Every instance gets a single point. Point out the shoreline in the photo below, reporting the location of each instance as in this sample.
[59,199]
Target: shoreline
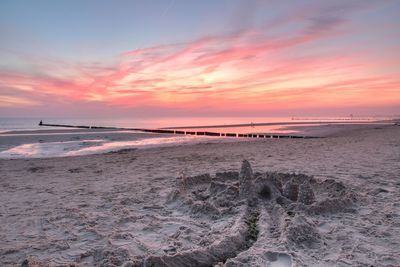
[57,142]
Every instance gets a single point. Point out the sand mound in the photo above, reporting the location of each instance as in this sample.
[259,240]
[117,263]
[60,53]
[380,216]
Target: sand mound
[262,209]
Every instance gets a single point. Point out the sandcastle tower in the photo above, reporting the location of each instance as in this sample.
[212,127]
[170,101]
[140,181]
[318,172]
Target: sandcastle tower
[245,180]
[306,194]
[291,190]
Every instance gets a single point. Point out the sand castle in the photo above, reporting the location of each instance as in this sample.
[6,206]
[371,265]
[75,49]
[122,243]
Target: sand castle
[260,219]
[272,217]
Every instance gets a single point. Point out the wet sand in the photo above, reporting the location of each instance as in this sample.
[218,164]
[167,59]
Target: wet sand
[150,206]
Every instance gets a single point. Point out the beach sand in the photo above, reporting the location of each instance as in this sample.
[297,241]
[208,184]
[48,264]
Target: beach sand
[145,207]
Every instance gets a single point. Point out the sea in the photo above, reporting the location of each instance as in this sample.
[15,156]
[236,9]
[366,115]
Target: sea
[25,138]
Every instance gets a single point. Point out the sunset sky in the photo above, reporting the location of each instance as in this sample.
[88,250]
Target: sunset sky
[199,58]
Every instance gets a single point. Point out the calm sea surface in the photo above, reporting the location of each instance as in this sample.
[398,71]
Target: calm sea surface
[10,124]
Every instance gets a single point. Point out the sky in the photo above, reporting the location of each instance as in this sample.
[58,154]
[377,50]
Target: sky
[157,58]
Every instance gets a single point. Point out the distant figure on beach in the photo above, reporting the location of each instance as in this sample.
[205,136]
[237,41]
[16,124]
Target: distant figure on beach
[40,123]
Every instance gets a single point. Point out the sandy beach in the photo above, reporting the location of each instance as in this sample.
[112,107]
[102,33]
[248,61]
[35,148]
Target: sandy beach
[197,205]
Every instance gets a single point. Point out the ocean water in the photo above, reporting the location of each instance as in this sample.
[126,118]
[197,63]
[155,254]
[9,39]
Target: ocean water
[24,138]
[12,124]
[21,124]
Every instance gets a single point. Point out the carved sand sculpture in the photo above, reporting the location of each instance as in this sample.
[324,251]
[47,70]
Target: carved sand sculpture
[272,216]
[241,218]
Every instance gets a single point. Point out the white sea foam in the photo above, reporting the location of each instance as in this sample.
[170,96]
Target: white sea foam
[49,149]
[87,147]
[142,143]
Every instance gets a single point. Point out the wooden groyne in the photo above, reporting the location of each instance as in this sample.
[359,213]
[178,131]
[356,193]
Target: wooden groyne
[179,131]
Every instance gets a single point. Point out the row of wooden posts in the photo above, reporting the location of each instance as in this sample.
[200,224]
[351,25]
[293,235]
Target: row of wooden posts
[183,132]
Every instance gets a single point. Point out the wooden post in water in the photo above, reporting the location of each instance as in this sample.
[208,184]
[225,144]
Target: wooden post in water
[173,131]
